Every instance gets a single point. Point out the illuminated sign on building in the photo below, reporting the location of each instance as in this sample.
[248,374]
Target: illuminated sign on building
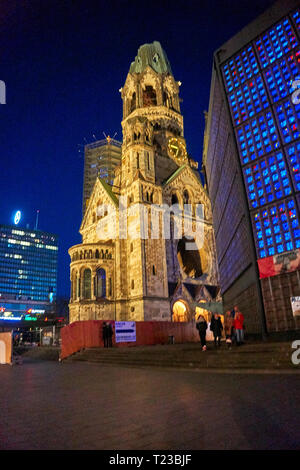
[17,217]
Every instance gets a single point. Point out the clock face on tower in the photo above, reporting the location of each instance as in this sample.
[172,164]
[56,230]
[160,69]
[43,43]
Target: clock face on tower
[177,150]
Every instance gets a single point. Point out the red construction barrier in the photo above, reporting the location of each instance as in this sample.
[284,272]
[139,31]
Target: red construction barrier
[88,334]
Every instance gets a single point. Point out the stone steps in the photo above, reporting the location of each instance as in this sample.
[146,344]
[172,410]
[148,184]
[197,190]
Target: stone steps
[264,356]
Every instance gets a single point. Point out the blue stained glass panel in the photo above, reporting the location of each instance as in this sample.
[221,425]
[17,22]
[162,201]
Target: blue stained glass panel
[271,180]
[288,116]
[296,19]
[240,68]
[276,42]
[277,233]
[280,76]
[257,137]
[293,156]
[248,100]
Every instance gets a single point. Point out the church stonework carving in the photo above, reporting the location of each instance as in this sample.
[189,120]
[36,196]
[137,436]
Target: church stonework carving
[139,278]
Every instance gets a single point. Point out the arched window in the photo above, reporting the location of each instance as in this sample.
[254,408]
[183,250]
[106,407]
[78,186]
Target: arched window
[100,286]
[74,286]
[133,102]
[186,197]
[167,99]
[174,199]
[97,254]
[87,279]
[148,160]
[149,96]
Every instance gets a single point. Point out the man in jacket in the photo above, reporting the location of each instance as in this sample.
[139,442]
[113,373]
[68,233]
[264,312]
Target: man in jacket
[216,327]
[109,335]
[238,325]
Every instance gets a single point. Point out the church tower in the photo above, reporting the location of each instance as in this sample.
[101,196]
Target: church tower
[145,274]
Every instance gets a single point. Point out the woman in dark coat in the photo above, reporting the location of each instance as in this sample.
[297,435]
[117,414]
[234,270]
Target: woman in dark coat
[104,334]
[216,327]
[109,335]
[201,326]
[228,326]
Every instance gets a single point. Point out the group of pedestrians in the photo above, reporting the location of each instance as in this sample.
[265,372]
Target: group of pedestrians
[233,328]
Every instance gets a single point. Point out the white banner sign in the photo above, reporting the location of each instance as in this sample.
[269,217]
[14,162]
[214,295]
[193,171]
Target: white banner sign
[295,302]
[125,331]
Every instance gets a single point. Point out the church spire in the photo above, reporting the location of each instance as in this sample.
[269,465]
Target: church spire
[151,55]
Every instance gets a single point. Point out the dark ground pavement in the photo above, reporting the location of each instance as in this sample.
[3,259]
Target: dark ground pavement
[48,405]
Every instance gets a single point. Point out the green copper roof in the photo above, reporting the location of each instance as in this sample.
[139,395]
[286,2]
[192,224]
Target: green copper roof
[109,191]
[153,55]
[176,173]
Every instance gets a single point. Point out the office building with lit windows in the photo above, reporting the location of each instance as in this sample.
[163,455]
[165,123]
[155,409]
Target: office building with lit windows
[251,161]
[28,271]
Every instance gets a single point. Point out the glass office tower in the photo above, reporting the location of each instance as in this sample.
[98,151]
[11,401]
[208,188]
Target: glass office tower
[252,165]
[100,160]
[28,270]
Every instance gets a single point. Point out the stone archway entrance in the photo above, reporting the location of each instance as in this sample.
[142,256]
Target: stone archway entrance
[180,311]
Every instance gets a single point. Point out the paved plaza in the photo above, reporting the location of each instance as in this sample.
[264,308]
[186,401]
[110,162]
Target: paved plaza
[48,405]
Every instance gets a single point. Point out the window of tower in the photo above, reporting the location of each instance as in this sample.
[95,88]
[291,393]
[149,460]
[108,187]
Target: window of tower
[133,102]
[186,198]
[149,96]
[167,100]
[87,277]
[174,199]
[100,281]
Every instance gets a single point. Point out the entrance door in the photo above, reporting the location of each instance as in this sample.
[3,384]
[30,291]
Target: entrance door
[180,312]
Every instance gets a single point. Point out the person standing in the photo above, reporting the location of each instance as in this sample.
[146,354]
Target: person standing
[228,327]
[201,326]
[216,327]
[238,326]
[104,334]
[109,335]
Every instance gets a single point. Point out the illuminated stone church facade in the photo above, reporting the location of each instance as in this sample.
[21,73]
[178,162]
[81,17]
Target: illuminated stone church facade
[145,278]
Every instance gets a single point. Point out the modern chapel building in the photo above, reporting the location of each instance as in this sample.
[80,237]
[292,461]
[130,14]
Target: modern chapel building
[252,166]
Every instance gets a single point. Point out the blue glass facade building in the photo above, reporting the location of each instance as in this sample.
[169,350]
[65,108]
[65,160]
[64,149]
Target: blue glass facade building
[28,269]
[252,165]
[259,86]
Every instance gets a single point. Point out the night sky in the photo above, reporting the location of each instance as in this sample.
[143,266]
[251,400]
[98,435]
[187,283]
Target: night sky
[63,63]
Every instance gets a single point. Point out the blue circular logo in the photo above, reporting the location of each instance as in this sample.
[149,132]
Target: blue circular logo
[17,217]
